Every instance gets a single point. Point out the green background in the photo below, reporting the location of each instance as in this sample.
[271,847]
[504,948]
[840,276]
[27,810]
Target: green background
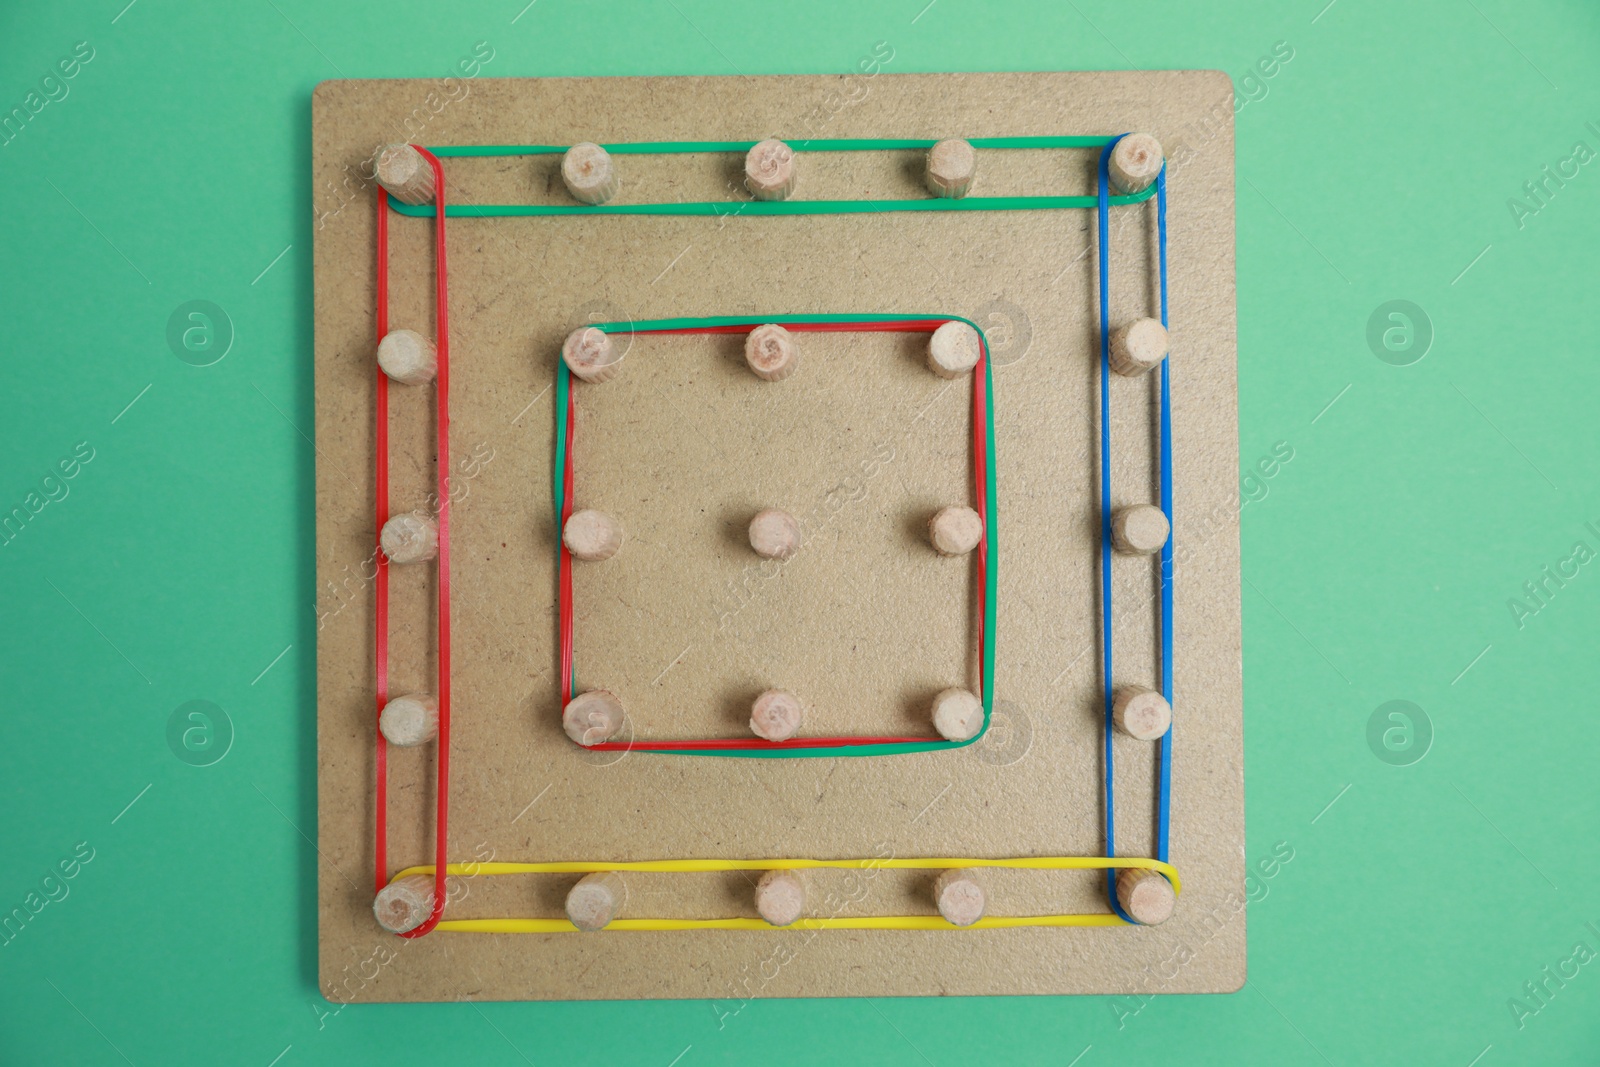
[1375,165]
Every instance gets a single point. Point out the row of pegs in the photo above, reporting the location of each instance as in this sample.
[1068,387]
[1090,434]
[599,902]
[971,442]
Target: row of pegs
[770,168]
[596,900]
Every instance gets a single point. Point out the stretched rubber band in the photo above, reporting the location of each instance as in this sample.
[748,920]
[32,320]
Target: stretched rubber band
[847,746]
[837,922]
[1163,796]
[381,579]
[381,511]
[983,489]
[772,207]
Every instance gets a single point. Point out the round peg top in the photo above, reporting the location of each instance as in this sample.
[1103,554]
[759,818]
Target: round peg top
[408,357]
[589,353]
[1135,162]
[771,352]
[769,170]
[1145,895]
[410,720]
[593,717]
[954,349]
[1138,346]
[952,164]
[592,535]
[412,537]
[955,531]
[957,715]
[1139,530]
[402,171]
[589,174]
[776,716]
[1141,713]
[774,534]
[404,904]
[780,897]
[960,897]
[595,900]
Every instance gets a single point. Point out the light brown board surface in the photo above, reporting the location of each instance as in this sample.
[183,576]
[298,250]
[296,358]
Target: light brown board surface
[861,444]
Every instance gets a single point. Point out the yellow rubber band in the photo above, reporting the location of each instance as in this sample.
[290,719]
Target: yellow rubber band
[866,922]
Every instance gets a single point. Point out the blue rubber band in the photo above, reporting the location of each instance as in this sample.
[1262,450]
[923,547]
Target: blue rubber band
[1164,797]
[1103,257]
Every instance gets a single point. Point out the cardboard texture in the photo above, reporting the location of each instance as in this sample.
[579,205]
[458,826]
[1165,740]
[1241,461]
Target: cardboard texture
[862,444]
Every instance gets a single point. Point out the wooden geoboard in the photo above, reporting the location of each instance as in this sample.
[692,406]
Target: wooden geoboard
[867,623]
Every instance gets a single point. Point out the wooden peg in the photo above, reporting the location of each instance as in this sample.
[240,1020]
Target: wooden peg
[404,173]
[408,357]
[769,170]
[1141,713]
[960,896]
[1138,346]
[592,535]
[776,715]
[952,164]
[404,904]
[775,534]
[780,897]
[1139,530]
[410,720]
[771,352]
[589,174]
[412,537]
[595,900]
[1145,895]
[953,350]
[955,531]
[590,355]
[957,715]
[593,717]
[1134,163]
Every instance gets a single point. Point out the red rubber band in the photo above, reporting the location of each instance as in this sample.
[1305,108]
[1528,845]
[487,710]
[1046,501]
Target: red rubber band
[980,488]
[442,399]
[381,580]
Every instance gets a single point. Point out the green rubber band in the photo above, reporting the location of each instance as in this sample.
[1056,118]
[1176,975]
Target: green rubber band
[669,148]
[991,523]
[757,208]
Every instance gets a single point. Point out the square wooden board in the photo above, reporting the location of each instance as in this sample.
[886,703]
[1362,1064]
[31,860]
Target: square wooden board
[862,444]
